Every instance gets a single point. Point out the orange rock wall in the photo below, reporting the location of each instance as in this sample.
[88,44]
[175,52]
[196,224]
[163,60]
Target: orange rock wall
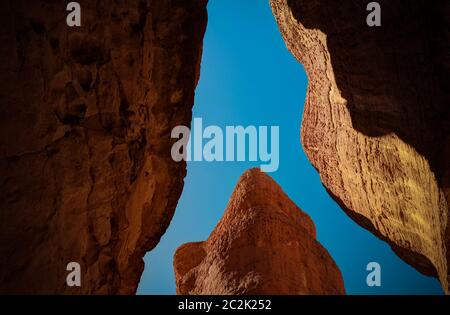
[85,121]
[376,118]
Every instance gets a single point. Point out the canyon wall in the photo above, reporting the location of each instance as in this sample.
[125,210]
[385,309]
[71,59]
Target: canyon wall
[376,119]
[85,121]
[264,244]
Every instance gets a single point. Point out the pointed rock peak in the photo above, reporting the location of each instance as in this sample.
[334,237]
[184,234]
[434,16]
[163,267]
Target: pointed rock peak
[264,244]
[258,192]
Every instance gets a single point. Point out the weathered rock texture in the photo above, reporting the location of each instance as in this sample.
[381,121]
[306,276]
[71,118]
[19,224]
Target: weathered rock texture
[264,244]
[376,120]
[85,121]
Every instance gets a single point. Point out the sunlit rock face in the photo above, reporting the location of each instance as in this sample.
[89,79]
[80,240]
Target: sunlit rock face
[85,121]
[264,244]
[376,119]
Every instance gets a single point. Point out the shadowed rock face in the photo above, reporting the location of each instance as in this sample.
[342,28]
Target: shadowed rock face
[376,119]
[264,244]
[85,121]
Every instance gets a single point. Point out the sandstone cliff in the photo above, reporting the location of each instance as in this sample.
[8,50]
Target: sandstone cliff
[376,119]
[264,244]
[85,121]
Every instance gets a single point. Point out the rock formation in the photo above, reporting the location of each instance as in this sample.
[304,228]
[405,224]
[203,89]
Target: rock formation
[376,122]
[264,244]
[85,121]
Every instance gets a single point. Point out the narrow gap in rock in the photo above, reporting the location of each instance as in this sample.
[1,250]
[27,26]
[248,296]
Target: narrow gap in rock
[248,77]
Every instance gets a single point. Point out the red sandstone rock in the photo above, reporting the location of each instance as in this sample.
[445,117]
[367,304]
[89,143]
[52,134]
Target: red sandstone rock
[376,119]
[85,118]
[264,244]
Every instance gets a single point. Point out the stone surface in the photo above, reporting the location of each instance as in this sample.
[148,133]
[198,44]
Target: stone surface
[264,244]
[85,121]
[376,119]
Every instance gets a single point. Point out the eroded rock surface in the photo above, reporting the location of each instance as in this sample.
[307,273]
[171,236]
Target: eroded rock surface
[264,244]
[85,121]
[376,119]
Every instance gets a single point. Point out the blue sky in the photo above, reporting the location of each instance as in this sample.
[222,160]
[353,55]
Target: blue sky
[248,77]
